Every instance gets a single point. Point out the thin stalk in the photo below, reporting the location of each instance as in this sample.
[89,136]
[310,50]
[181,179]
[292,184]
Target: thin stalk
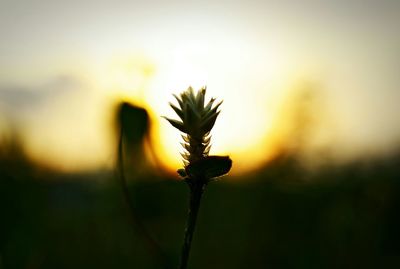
[153,247]
[196,191]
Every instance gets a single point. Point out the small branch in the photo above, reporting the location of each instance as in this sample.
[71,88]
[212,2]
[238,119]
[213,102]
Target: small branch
[196,191]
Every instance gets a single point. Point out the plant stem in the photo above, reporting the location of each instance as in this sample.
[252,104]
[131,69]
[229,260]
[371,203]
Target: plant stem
[152,245]
[196,191]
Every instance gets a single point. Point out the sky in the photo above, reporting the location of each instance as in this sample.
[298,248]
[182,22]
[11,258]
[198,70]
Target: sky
[65,64]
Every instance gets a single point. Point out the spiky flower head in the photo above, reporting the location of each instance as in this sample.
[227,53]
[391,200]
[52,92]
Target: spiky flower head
[196,121]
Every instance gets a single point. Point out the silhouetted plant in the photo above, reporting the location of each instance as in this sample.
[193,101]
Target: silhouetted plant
[197,120]
[131,137]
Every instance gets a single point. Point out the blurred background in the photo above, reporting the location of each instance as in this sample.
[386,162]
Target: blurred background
[310,119]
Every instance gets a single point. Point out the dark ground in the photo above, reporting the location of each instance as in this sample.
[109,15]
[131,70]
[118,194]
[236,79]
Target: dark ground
[280,217]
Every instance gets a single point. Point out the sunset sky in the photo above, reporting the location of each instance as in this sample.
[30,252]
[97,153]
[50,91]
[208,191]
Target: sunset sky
[65,64]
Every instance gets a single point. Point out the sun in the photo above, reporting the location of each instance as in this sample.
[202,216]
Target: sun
[234,69]
[246,117]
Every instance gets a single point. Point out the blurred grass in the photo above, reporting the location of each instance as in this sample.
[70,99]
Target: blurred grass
[345,217]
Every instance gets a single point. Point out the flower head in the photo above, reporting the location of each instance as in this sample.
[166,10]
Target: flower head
[196,121]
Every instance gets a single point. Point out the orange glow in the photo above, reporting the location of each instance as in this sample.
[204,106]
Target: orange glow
[243,122]
[246,55]
[246,129]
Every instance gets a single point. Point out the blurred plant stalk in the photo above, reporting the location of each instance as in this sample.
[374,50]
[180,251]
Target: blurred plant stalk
[196,121]
[132,137]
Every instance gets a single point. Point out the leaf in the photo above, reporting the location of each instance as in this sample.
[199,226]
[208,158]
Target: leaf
[191,93]
[177,110]
[208,123]
[185,146]
[194,110]
[177,124]
[200,98]
[206,139]
[209,105]
[191,119]
[214,109]
[185,155]
[210,167]
[179,100]
[185,138]
[207,149]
